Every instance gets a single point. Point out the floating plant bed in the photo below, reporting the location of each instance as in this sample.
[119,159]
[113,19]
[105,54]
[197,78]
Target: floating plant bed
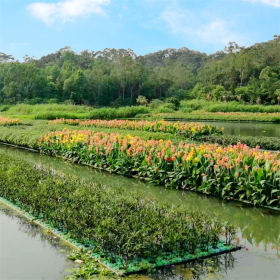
[137,265]
[126,232]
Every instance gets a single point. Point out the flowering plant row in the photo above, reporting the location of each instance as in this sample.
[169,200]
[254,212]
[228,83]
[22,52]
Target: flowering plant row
[9,121]
[232,172]
[190,130]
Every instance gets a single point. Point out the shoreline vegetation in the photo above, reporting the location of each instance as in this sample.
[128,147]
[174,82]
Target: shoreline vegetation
[187,110]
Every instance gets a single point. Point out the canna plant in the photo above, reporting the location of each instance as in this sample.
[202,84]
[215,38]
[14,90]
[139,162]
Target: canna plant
[189,130]
[4,121]
[232,172]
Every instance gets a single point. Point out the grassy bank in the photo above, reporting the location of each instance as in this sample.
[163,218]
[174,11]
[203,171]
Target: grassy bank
[54,111]
[124,229]
[191,110]
[217,106]
[208,116]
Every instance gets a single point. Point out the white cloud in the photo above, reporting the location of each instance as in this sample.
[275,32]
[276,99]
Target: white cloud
[217,32]
[120,16]
[274,3]
[67,10]
[200,28]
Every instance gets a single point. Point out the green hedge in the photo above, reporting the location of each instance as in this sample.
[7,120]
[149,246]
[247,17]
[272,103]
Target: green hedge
[120,226]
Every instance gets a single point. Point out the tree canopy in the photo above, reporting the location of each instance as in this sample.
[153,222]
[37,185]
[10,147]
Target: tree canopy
[114,77]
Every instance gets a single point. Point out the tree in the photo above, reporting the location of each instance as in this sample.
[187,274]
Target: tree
[74,86]
[4,58]
[142,100]
[127,73]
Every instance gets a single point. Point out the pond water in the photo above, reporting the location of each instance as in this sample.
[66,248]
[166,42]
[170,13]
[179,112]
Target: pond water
[258,228]
[248,129]
[26,252]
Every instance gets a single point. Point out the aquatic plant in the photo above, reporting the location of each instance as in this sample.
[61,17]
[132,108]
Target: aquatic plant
[190,130]
[120,227]
[9,121]
[232,172]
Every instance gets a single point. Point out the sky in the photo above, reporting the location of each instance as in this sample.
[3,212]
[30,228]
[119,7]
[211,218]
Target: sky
[40,27]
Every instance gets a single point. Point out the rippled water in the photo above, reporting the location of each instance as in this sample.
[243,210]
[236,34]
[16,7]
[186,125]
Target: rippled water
[248,129]
[258,229]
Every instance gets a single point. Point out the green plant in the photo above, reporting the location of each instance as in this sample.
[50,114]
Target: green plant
[117,226]
[142,100]
[166,108]
[232,172]
[117,113]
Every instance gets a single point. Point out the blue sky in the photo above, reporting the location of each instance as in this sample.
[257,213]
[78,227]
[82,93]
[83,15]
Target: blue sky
[43,26]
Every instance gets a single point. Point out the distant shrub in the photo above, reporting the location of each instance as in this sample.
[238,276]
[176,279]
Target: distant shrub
[142,100]
[52,101]
[155,103]
[185,110]
[4,108]
[57,115]
[166,108]
[174,101]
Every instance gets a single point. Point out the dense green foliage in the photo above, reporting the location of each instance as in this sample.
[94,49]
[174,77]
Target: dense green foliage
[118,225]
[118,77]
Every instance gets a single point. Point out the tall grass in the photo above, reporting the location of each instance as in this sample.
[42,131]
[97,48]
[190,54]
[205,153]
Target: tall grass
[211,106]
[46,108]
[54,111]
[117,113]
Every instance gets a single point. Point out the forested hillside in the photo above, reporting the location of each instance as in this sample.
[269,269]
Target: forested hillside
[117,77]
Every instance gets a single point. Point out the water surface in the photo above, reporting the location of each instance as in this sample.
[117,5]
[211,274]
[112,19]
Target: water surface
[247,129]
[27,252]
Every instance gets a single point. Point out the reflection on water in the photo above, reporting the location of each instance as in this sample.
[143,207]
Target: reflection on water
[26,252]
[258,229]
[248,129]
